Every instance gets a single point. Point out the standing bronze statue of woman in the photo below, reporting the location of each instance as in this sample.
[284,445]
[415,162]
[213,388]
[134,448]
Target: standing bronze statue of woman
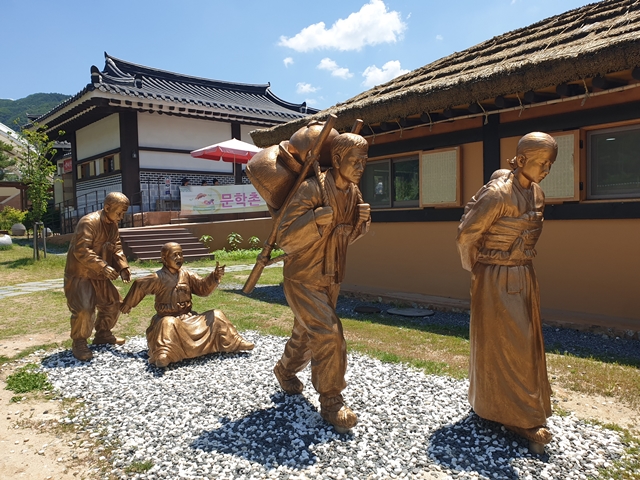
[496,241]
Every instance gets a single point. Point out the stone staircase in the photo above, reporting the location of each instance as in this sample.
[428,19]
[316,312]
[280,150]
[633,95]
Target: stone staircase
[146,243]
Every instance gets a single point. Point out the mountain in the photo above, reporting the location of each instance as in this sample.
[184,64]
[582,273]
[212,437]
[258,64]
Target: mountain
[35,104]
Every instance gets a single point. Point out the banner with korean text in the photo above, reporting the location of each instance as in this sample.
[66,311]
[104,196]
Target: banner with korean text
[220,199]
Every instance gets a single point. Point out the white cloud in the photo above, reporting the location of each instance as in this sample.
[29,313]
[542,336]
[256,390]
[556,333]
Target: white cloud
[336,71]
[439,38]
[288,61]
[371,25]
[311,102]
[305,88]
[375,76]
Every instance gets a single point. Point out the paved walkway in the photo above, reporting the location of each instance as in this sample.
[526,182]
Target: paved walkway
[33,287]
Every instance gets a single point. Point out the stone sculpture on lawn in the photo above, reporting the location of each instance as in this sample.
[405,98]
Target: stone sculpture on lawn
[176,331]
[496,241]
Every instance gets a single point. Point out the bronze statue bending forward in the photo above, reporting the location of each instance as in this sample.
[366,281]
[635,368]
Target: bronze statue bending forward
[94,259]
[324,216]
[176,331]
[496,241]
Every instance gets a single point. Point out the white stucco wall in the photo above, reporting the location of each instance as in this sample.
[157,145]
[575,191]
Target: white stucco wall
[99,137]
[244,133]
[181,162]
[164,131]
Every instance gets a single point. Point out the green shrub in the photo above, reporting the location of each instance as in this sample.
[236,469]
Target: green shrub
[254,242]
[10,216]
[26,379]
[234,239]
[207,240]
[242,254]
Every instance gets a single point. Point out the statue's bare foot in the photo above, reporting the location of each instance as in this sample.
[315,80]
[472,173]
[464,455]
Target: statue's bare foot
[291,385]
[162,361]
[536,435]
[245,345]
[107,339]
[81,351]
[342,420]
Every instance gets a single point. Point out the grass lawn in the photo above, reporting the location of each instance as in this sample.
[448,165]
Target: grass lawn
[435,349]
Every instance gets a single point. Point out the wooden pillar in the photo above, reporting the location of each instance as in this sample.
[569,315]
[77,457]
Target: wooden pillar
[129,155]
[74,167]
[490,146]
[237,167]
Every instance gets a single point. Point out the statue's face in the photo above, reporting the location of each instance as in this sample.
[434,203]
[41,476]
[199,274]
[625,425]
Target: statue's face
[538,164]
[174,259]
[115,212]
[352,164]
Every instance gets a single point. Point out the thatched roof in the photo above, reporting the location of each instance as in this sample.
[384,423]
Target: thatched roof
[580,44]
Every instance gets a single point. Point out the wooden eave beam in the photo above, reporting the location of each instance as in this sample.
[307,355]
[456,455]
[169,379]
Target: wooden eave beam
[605,83]
[569,89]
[503,102]
[536,97]
[453,112]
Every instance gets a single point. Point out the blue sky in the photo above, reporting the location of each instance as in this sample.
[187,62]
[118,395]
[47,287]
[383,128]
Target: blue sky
[322,52]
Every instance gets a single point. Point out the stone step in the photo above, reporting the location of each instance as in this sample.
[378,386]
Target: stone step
[187,257]
[146,243]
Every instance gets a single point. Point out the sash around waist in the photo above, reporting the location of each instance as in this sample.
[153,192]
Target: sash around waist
[508,232]
[507,262]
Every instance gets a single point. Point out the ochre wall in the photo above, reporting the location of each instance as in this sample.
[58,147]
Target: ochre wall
[586,268]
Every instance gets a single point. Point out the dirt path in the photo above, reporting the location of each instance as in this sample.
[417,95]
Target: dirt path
[35,446]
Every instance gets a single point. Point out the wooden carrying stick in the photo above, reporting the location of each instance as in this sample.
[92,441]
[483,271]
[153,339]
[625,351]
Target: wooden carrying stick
[265,255]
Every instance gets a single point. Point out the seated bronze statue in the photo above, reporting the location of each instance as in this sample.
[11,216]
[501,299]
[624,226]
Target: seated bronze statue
[176,331]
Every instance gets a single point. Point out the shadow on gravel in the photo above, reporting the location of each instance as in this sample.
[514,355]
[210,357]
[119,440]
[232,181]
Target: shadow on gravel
[478,445]
[66,359]
[280,435]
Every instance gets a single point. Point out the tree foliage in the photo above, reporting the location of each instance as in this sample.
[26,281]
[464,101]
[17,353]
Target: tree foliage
[34,104]
[9,216]
[6,159]
[36,168]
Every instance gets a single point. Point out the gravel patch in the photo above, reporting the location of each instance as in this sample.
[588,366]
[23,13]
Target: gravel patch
[223,416]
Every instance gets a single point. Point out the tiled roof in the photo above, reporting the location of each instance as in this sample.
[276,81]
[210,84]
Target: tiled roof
[576,46]
[218,99]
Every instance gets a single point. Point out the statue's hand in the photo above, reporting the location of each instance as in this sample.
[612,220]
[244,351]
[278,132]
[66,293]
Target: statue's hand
[323,216]
[124,308]
[218,273]
[109,272]
[125,275]
[364,212]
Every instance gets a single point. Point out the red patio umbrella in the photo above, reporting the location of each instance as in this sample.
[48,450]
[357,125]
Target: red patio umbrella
[232,150]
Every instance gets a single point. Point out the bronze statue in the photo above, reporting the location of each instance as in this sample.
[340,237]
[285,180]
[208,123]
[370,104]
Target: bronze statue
[176,331]
[94,259]
[324,215]
[496,241]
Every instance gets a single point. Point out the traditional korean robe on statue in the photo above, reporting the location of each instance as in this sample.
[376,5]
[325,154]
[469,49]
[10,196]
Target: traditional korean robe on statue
[176,330]
[313,270]
[496,240]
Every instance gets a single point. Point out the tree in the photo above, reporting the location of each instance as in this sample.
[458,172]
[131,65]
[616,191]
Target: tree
[6,159]
[36,168]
